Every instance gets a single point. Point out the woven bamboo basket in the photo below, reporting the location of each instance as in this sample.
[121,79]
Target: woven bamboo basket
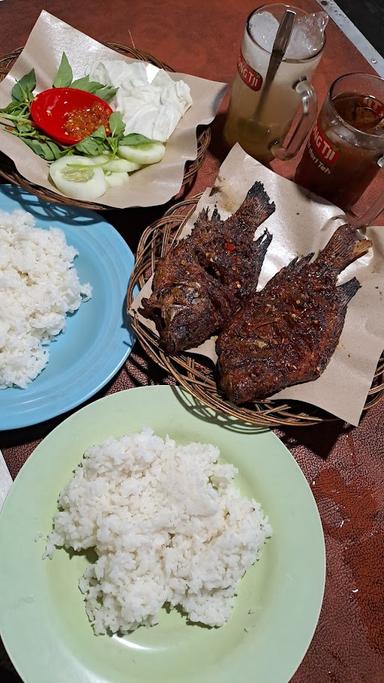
[196,374]
[9,172]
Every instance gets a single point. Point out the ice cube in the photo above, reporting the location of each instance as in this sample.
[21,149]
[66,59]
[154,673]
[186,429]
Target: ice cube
[307,35]
[263,28]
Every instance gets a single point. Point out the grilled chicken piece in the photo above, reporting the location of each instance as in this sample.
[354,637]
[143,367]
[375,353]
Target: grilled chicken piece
[198,285]
[287,333]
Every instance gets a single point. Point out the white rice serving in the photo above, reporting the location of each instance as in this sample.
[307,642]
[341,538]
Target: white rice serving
[38,287]
[168,526]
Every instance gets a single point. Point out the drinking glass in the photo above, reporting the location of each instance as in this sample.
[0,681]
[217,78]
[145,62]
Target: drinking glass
[345,150]
[261,133]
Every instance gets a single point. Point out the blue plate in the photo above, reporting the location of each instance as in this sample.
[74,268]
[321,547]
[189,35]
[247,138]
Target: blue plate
[97,338]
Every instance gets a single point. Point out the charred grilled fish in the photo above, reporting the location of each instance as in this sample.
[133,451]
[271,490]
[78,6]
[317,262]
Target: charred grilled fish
[187,304]
[287,333]
[228,249]
[199,284]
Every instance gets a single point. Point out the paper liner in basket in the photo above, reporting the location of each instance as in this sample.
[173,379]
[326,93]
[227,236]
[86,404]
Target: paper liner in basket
[151,186]
[303,223]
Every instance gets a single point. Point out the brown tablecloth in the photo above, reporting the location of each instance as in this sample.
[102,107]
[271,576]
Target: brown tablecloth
[344,466]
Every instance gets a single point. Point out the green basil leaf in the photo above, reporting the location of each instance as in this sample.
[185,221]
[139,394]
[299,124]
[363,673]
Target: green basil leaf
[87,85]
[55,149]
[99,133]
[106,92]
[134,139]
[40,148]
[116,124]
[11,107]
[94,87]
[90,147]
[14,107]
[81,83]
[64,75]
[113,144]
[24,127]
[22,90]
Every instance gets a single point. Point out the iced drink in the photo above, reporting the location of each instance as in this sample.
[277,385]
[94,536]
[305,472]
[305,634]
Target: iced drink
[303,54]
[346,147]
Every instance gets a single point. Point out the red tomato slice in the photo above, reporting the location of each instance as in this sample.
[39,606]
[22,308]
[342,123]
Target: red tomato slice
[69,115]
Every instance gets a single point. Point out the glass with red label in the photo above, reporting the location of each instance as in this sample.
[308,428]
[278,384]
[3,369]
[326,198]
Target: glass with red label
[345,150]
[261,131]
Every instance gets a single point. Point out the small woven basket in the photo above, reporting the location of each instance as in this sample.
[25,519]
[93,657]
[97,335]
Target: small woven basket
[9,172]
[195,373]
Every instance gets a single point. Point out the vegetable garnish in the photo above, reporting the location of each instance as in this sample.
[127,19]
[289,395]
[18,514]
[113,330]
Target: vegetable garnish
[149,153]
[16,118]
[73,126]
[69,115]
[78,177]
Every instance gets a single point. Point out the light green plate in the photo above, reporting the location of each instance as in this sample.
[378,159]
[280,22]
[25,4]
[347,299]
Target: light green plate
[42,618]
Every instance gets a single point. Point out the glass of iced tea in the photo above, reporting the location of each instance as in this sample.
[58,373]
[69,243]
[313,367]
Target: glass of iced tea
[345,150]
[261,131]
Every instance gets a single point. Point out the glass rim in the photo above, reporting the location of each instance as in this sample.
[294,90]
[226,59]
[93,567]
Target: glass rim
[298,10]
[345,123]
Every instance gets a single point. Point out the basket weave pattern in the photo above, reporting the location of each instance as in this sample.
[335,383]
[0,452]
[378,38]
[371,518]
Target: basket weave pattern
[192,372]
[9,172]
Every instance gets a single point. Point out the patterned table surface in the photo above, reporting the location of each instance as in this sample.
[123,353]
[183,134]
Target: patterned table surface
[344,466]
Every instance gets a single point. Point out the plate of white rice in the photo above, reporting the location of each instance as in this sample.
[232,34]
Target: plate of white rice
[160,542]
[63,280]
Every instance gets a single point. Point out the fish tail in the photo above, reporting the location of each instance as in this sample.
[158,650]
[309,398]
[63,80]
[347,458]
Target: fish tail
[344,247]
[258,192]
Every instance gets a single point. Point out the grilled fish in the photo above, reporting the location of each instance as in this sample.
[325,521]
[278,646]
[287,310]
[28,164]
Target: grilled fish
[187,304]
[200,283]
[287,333]
[228,249]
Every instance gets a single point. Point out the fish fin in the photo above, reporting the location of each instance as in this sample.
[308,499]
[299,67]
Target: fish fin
[298,263]
[204,216]
[348,290]
[264,241]
[289,271]
[344,247]
[303,261]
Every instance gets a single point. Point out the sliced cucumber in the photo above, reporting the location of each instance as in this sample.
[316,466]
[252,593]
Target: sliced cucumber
[78,177]
[149,153]
[116,179]
[121,166]
[99,160]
